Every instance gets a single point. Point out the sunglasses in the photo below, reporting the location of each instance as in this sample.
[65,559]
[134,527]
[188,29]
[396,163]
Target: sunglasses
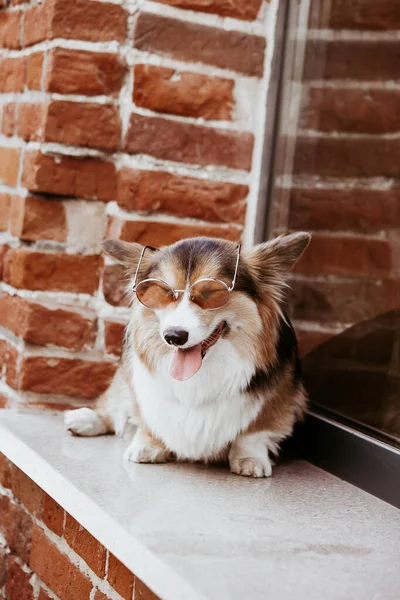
[207,293]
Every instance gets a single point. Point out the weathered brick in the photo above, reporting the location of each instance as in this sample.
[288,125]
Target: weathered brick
[52,515]
[120,577]
[350,59]
[142,592]
[185,142]
[34,70]
[80,540]
[90,178]
[48,323]
[82,124]
[8,362]
[347,157]
[352,110]
[100,596]
[33,218]
[52,271]
[346,256]
[82,20]
[163,192]
[3,552]
[114,332]
[3,253]
[82,72]
[16,528]
[10,30]
[31,121]
[18,586]
[191,42]
[114,285]
[12,74]
[362,210]
[37,23]
[157,233]
[9,119]
[66,376]
[9,165]
[89,20]
[182,93]
[27,491]
[5,472]
[5,201]
[238,9]
[56,570]
[362,14]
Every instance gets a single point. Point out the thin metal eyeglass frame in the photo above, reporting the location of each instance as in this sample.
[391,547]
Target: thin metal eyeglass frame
[177,292]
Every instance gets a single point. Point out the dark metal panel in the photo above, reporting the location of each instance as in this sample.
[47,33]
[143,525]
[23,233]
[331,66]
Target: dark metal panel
[351,455]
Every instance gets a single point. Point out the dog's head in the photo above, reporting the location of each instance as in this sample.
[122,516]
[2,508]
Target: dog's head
[201,289]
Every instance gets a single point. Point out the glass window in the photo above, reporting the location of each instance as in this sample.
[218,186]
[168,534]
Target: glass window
[337,174]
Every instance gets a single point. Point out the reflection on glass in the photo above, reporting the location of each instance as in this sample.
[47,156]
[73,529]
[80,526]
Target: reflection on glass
[337,174]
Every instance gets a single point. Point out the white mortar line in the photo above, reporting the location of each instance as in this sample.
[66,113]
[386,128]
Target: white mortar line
[71,298]
[350,35]
[207,172]
[50,351]
[352,84]
[332,279]
[32,96]
[114,210]
[333,327]
[347,183]
[112,47]
[313,133]
[221,125]
[7,238]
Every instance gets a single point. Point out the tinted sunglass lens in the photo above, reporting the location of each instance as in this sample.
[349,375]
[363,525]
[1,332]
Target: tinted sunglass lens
[210,294]
[154,294]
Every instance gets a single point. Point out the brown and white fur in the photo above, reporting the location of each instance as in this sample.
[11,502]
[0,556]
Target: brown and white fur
[248,393]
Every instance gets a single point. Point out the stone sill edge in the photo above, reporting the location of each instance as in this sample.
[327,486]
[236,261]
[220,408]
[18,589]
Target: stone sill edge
[160,578]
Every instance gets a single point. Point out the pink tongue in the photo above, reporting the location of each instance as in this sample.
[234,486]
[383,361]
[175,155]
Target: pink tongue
[185,363]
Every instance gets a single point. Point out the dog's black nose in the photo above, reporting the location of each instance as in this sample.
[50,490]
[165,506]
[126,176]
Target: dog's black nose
[175,336]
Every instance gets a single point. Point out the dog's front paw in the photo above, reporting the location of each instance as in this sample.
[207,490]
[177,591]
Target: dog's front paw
[251,467]
[84,422]
[142,452]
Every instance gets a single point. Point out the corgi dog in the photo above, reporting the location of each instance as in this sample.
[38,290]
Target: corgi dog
[210,370]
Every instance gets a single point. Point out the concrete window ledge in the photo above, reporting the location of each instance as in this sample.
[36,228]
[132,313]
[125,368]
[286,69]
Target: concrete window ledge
[196,533]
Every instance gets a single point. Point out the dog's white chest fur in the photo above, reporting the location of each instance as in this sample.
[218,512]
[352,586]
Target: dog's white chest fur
[198,418]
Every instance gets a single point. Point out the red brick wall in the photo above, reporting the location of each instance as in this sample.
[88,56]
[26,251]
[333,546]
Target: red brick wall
[146,125]
[343,181]
[46,555]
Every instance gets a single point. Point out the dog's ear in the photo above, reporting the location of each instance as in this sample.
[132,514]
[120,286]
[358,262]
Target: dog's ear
[128,254]
[270,262]
[123,252]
